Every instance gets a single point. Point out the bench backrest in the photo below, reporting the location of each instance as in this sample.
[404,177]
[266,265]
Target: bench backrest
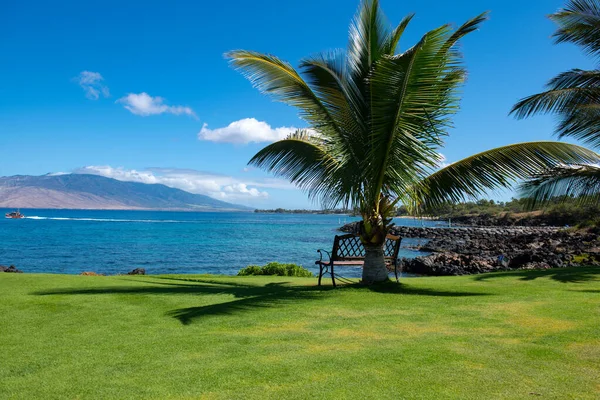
[349,247]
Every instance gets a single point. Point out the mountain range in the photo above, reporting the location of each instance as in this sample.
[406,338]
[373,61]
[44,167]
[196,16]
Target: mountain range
[81,191]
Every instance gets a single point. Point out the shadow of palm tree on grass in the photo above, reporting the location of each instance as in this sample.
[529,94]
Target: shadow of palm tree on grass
[404,289]
[247,297]
[278,297]
[567,275]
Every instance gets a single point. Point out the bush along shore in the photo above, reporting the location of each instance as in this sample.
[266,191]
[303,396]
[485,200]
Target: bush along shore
[463,251]
[560,211]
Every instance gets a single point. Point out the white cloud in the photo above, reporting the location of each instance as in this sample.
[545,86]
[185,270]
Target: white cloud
[143,104]
[222,187]
[91,83]
[244,189]
[119,173]
[57,173]
[245,131]
[442,161]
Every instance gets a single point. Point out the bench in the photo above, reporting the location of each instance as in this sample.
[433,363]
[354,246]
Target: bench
[348,250]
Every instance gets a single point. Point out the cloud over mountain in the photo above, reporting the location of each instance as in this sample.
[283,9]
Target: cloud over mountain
[90,191]
[222,187]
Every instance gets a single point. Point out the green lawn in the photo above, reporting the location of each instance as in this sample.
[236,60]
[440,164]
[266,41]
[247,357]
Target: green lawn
[515,335]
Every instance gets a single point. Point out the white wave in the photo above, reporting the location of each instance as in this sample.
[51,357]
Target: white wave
[107,219]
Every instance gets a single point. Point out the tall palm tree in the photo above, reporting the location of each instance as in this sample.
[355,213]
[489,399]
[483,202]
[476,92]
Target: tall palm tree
[377,119]
[575,97]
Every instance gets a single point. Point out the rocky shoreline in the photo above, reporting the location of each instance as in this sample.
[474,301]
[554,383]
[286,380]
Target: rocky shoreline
[462,251]
[12,269]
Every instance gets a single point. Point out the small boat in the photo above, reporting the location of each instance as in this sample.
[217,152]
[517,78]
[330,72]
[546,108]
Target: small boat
[14,215]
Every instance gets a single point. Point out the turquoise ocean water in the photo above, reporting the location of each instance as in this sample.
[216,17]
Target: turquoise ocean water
[113,242]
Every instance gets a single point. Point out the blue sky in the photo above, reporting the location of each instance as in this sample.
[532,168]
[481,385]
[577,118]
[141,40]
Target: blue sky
[124,88]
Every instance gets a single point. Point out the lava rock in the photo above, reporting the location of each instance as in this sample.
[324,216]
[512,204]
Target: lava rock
[137,271]
[12,268]
[485,249]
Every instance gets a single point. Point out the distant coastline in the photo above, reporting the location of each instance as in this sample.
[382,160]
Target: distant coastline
[93,192]
[299,211]
[334,212]
[216,210]
[413,217]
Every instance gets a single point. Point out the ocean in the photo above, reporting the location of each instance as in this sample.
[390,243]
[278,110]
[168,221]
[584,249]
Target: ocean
[115,242]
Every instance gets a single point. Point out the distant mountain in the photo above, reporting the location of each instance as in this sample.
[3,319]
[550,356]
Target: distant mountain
[79,191]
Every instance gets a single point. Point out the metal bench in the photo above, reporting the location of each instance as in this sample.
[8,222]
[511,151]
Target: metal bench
[348,250]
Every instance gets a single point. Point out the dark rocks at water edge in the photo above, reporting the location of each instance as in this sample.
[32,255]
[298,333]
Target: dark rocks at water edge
[460,251]
[506,241]
[448,263]
[12,268]
[137,271]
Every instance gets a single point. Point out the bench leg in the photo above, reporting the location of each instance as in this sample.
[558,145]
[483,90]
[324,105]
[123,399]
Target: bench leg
[320,273]
[332,275]
[396,271]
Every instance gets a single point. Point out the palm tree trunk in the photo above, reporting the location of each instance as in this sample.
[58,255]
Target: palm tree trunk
[374,269]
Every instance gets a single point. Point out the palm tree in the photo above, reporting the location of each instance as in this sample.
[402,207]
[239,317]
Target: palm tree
[377,119]
[575,97]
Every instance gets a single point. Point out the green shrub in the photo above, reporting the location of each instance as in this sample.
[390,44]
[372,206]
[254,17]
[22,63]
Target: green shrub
[250,270]
[275,268]
[589,223]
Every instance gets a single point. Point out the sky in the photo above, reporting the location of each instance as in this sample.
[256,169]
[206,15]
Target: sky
[140,90]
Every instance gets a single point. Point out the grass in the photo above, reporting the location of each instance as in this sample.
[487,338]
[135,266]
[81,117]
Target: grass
[515,335]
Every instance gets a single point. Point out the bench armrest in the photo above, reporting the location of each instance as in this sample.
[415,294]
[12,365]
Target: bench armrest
[321,251]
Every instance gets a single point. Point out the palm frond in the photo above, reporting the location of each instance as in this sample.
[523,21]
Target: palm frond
[580,181]
[278,78]
[300,158]
[326,74]
[390,44]
[397,113]
[556,101]
[582,123]
[573,95]
[579,23]
[368,33]
[497,168]
[413,95]
[575,78]
[466,28]
[307,161]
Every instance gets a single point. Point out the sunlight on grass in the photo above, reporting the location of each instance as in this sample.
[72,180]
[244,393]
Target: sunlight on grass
[502,335]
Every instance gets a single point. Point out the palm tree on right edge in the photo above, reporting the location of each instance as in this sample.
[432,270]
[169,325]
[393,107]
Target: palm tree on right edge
[575,97]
